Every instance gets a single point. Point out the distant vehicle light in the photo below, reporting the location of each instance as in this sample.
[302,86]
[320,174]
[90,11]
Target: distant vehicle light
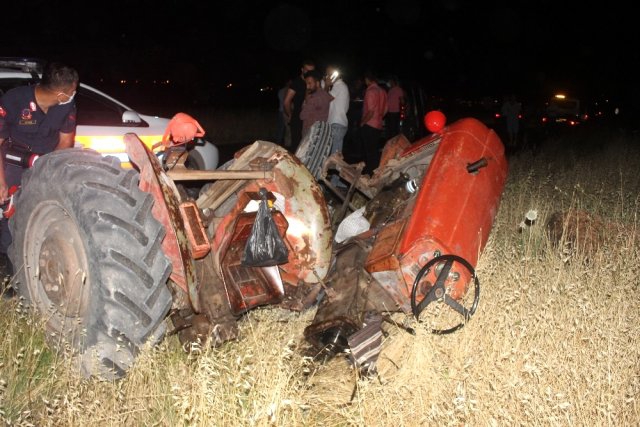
[559,96]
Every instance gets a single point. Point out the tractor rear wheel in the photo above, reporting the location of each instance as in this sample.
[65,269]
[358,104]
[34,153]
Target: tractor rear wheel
[87,255]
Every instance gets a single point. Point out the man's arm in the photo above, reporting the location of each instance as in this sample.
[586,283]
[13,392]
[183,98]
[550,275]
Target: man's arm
[67,130]
[330,94]
[385,104]
[327,84]
[4,190]
[288,99]
[368,110]
[66,140]
[366,117]
[4,125]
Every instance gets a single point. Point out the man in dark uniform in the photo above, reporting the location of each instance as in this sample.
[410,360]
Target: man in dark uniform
[293,103]
[41,118]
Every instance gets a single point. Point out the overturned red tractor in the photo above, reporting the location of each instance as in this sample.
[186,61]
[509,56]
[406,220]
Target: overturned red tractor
[110,254]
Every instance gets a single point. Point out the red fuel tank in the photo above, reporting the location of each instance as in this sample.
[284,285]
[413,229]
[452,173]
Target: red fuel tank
[460,193]
[453,212]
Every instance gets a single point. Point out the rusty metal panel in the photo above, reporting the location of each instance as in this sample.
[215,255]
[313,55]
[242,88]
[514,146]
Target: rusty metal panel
[383,256]
[248,287]
[194,229]
[175,244]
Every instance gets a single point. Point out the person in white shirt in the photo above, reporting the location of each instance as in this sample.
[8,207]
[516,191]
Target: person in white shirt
[338,108]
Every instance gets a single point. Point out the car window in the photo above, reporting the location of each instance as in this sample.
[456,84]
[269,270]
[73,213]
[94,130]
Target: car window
[94,109]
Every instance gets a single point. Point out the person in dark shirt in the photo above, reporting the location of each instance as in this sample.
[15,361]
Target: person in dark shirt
[315,107]
[293,103]
[40,118]
[283,135]
[352,147]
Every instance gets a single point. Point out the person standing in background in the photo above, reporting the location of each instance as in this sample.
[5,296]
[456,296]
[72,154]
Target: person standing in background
[283,136]
[352,145]
[293,103]
[338,108]
[315,107]
[395,102]
[373,111]
[511,110]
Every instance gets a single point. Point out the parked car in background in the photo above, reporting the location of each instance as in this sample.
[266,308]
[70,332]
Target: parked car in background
[562,110]
[102,121]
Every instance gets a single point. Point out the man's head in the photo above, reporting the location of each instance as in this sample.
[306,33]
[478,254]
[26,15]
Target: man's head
[307,65]
[312,79]
[61,81]
[370,77]
[332,68]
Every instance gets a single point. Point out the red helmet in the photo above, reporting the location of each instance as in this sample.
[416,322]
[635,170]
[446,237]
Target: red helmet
[181,129]
[435,121]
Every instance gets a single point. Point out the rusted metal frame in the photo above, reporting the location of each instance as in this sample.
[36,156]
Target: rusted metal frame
[346,201]
[217,194]
[166,210]
[196,175]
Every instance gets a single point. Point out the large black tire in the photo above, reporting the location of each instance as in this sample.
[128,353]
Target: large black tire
[87,255]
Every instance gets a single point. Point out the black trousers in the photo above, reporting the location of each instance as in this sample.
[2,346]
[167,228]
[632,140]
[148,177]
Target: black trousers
[370,137]
[296,134]
[393,124]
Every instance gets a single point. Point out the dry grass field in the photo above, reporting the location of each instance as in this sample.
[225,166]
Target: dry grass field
[555,340]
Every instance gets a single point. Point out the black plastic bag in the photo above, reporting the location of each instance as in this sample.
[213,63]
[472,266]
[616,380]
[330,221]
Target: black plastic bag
[265,247]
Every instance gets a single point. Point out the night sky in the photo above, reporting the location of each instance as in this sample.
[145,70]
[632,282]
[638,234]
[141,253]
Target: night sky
[453,47]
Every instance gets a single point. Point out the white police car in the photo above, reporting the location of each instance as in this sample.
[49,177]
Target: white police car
[102,121]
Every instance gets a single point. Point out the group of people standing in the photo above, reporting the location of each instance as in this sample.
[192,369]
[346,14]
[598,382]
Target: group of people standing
[316,96]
